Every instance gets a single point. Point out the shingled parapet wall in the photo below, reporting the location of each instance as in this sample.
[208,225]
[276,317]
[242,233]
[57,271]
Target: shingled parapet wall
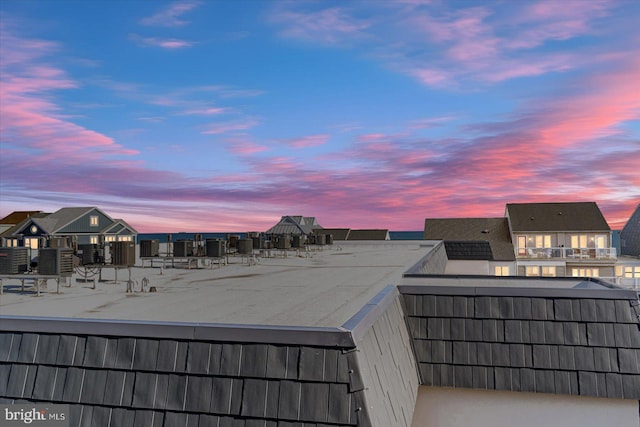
[563,341]
[111,380]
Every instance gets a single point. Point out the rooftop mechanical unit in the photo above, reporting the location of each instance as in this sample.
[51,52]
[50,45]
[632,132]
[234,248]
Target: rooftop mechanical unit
[245,246]
[321,239]
[283,242]
[297,241]
[88,254]
[233,240]
[149,248]
[123,253]
[14,260]
[214,248]
[55,261]
[59,242]
[183,248]
[328,239]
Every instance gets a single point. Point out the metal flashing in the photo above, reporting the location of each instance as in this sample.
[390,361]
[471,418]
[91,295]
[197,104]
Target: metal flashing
[293,335]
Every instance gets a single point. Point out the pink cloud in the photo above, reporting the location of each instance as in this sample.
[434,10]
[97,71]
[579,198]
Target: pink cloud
[307,141]
[159,42]
[170,16]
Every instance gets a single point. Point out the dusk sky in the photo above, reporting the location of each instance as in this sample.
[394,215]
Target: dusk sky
[225,115]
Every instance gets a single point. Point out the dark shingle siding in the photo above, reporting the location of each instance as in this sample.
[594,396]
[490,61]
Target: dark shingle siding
[572,346]
[139,381]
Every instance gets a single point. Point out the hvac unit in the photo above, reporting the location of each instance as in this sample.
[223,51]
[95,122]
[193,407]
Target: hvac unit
[245,246]
[59,242]
[88,254]
[297,241]
[215,248]
[321,239]
[283,242]
[149,248]
[329,239]
[233,240]
[14,260]
[183,248]
[55,261]
[123,253]
[258,242]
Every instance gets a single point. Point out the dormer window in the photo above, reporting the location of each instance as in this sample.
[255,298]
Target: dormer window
[93,220]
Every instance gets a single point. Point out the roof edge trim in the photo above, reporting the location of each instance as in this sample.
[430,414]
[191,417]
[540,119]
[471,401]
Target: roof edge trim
[268,334]
[618,294]
[361,322]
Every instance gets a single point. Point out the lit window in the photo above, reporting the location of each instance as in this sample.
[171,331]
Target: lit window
[109,238]
[94,240]
[579,241]
[93,220]
[549,271]
[532,270]
[585,272]
[124,238]
[502,270]
[543,241]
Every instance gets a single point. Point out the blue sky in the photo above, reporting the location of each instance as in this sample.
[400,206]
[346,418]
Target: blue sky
[225,115]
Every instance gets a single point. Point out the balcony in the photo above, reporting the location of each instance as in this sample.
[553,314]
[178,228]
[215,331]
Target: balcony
[568,254]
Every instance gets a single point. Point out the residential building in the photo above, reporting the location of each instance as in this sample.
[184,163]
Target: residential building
[295,225]
[561,239]
[82,225]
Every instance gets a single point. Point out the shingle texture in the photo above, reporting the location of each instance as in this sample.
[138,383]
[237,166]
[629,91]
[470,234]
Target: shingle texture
[495,231]
[630,235]
[122,381]
[564,345]
[468,250]
[579,216]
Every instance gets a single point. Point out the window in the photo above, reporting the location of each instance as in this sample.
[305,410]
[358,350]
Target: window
[124,238]
[522,245]
[93,240]
[579,241]
[109,238]
[532,270]
[549,271]
[543,241]
[631,272]
[585,272]
[93,220]
[502,270]
[12,243]
[32,242]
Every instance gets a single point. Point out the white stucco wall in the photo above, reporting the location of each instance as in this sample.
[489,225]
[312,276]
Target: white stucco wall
[456,407]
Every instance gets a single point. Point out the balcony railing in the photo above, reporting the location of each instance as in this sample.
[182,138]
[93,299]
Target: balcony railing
[569,254]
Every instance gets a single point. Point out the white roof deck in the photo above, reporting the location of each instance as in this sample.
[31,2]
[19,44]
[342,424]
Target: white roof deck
[324,289]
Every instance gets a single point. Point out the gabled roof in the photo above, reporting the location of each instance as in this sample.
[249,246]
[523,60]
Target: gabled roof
[573,216]
[294,225]
[66,216]
[369,234]
[117,226]
[17,217]
[492,230]
[16,229]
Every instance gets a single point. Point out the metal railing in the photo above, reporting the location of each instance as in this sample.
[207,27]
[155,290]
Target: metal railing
[572,254]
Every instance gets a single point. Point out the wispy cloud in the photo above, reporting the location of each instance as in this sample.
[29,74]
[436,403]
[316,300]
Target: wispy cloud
[443,47]
[332,25]
[307,141]
[165,43]
[171,15]
[231,126]
[208,111]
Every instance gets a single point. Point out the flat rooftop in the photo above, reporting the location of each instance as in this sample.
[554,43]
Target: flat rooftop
[319,288]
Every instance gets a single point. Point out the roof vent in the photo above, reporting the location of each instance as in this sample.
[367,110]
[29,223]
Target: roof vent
[560,213]
[485,231]
[531,218]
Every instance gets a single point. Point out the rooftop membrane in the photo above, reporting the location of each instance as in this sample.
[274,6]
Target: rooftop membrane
[322,288]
